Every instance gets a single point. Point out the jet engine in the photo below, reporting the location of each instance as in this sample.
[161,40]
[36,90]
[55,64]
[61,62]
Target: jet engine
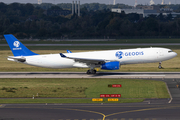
[111,65]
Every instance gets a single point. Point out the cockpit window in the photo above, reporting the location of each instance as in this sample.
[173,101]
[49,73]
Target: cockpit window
[170,51]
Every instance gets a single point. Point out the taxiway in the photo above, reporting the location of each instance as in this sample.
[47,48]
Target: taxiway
[131,111]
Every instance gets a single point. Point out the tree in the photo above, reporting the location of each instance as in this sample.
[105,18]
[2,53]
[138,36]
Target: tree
[3,7]
[169,17]
[161,17]
[55,8]
[29,8]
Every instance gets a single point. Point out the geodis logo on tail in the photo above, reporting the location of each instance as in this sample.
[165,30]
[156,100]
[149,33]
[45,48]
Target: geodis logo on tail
[16,44]
[120,54]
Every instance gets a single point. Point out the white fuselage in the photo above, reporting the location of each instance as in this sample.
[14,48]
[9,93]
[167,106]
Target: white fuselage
[124,56]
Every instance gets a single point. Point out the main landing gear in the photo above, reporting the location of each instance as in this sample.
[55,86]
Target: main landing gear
[160,67]
[92,71]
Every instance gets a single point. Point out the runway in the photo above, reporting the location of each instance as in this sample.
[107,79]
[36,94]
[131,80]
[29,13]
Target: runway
[147,75]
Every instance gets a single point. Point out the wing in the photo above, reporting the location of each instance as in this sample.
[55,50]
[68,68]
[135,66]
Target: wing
[86,60]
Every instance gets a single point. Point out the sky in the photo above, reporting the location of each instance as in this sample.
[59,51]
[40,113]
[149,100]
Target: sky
[128,2]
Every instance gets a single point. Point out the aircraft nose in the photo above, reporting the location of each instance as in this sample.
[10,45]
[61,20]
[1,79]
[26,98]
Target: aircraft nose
[174,54]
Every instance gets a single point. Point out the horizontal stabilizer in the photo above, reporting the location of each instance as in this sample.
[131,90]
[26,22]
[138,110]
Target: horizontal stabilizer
[21,59]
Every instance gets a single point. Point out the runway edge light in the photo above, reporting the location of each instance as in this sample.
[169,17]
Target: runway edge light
[109,85]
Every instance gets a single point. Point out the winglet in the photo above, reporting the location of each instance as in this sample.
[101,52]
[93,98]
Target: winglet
[68,51]
[62,55]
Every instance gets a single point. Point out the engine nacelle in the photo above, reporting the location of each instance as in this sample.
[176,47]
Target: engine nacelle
[111,65]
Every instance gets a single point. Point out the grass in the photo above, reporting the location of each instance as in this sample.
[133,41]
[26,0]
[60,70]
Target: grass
[172,65]
[81,88]
[8,101]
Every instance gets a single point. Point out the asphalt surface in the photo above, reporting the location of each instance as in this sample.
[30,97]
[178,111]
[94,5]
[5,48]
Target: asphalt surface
[150,109]
[145,75]
[131,111]
[174,88]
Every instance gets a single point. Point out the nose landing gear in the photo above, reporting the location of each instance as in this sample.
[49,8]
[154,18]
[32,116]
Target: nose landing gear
[160,67]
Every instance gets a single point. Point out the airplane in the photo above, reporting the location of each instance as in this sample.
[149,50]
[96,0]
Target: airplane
[106,60]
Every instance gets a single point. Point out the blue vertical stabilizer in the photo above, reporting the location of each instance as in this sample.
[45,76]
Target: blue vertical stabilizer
[17,48]
[68,51]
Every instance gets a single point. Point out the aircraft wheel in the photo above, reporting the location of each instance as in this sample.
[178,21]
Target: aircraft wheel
[93,71]
[159,67]
[88,72]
